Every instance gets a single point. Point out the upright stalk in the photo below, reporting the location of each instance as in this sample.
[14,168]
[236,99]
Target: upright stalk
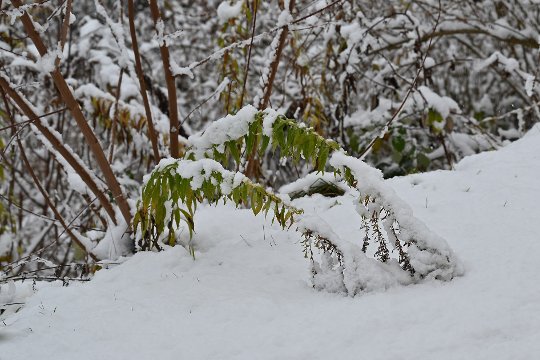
[142,84]
[169,79]
[253,167]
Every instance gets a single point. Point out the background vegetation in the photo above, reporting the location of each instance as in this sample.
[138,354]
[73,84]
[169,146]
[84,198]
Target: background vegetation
[95,93]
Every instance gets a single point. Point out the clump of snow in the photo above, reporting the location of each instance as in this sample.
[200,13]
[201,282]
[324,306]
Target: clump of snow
[269,118]
[364,118]
[160,29]
[116,242]
[90,25]
[530,82]
[509,64]
[222,130]
[227,11]
[485,105]
[200,170]
[180,70]
[443,104]
[47,63]
[429,62]
[304,184]
[284,18]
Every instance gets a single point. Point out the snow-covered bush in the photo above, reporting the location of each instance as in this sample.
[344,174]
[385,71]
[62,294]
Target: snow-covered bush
[175,187]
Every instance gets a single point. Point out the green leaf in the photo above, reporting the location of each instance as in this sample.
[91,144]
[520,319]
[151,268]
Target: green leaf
[422,161]
[309,148]
[254,200]
[398,143]
[189,220]
[264,145]
[259,202]
[434,116]
[322,158]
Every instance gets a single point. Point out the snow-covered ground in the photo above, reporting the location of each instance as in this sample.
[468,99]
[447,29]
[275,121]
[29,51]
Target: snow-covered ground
[247,295]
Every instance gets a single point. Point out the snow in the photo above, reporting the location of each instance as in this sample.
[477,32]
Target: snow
[529,84]
[430,255]
[227,11]
[366,118]
[429,62]
[179,70]
[225,129]
[90,26]
[201,170]
[270,116]
[46,63]
[115,243]
[304,184]
[443,104]
[509,64]
[284,18]
[248,295]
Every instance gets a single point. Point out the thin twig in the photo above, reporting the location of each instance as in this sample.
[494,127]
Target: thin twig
[51,205]
[115,116]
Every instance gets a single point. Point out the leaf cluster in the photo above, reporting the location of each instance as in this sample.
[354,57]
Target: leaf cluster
[293,140]
[169,199]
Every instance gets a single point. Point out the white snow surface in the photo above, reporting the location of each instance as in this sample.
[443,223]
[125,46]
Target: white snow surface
[248,296]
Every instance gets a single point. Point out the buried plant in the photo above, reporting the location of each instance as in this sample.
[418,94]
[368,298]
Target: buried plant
[173,190]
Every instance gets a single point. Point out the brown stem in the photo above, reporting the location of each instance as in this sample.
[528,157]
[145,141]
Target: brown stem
[171,85]
[263,104]
[142,83]
[69,99]
[447,153]
[253,165]
[64,30]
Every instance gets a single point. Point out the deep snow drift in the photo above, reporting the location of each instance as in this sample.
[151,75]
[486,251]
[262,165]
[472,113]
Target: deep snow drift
[247,295]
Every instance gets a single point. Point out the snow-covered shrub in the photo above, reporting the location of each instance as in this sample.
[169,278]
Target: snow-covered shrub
[388,222]
[173,190]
